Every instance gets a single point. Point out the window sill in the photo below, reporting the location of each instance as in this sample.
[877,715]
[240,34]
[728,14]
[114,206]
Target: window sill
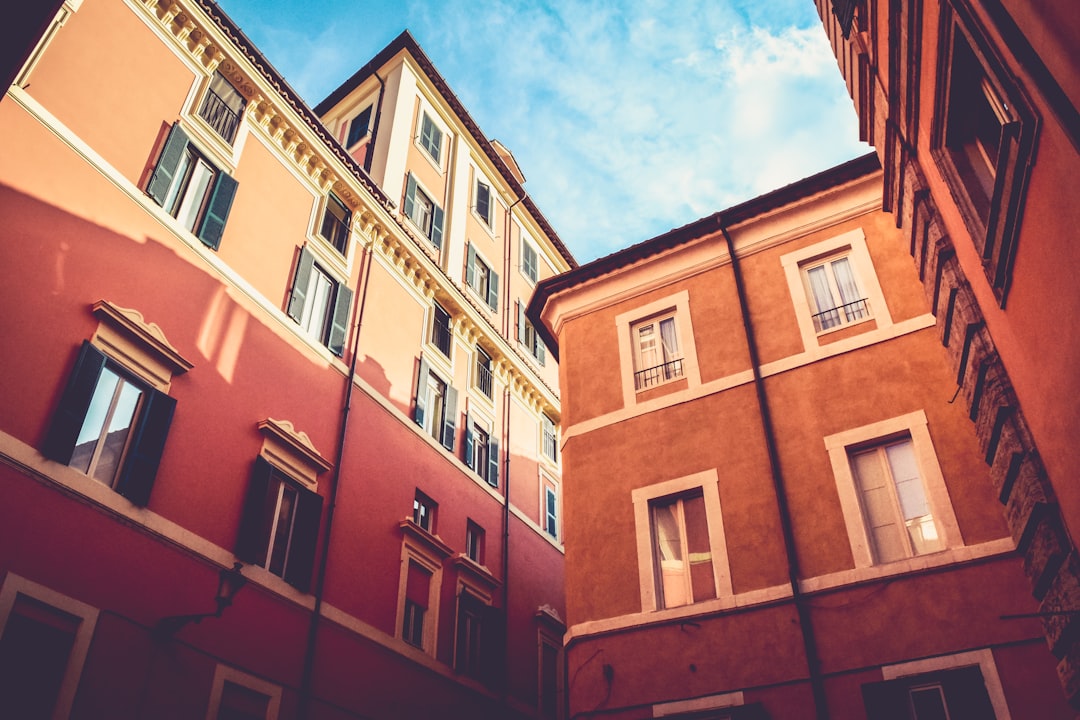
[661,388]
[431,543]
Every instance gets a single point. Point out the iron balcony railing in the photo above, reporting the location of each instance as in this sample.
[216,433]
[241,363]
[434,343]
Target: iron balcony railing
[656,375]
[483,378]
[846,313]
[221,117]
[549,444]
[440,338]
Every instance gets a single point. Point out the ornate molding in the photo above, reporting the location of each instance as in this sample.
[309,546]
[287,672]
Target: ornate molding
[292,451]
[139,345]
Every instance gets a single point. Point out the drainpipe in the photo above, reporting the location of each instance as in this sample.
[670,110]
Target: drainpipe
[369,151]
[320,581]
[809,642]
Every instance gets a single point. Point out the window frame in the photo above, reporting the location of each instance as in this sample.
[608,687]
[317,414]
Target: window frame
[431,228]
[672,374]
[845,317]
[482,191]
[484,373]
[551,508]
[527,336]
[708,482]
[434,138]
[448,409]
[547,422]
[981,658]
[428,552]
[425,512]
[334,330]
[475,540]
[678,304]
[482,458]
[229,132]
[487,288]
[352,137]
[839,447]
[340,232]
[225,674]
[436,326]
[996,235]
[531,272]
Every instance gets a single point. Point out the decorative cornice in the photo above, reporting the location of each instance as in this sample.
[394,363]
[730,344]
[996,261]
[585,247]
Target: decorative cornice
[475,571]
[432,543]
[149,335]
[292,450]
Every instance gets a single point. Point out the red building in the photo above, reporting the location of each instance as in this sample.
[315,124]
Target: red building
[774,507]
[972,106]
[244,341]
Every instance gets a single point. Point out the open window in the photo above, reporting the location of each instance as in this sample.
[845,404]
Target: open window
[482,449]
[423,212]
[334,227]
[435,406]
[481,278]
[320,303]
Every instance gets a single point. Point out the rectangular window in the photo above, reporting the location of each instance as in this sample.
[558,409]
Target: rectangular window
[550,438]
[110,426]
[898,518]
[528,336]
[188,187]
[423,212]
[483,202]
[320,304]
[657,358]
[942,695]
[334,228]
[423,513]
[34,652]
[470,635]
[222,107]
[474,542]
[481,278]
[834,293]
[242,703]
[441,334]
[417,597]
[549,678]
[358,128]
[682,555]
[551,510]
[484,380]
[280,524]
[435,407]
[530,263]
[481,450]
[431,138]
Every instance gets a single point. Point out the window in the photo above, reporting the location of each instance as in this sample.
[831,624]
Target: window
[481,451]
[895,502]
[417,600]
[110,425]
[239,702]
[834,293]
[335,223]
[358,128]
[423,212]
[477,650]
[550,438]
[942,695]
[528,336]
[191,189]
[484,381]
[44,639]
[482,279]
[320,304]
[657,357]
[983,139]
[483,202]
[435,407]
[222,107]
[474,542]
[441,334]
[423,512]
[530,263]
[431,137]
[549,678]
[280,524]
[551,509]
[682,553]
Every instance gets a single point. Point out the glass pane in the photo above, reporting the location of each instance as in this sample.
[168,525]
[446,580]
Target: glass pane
[845,281]
[878,508]
[313,319]
[699,553]
[911,495]
[191,205]
[819,289]
[96,418]
[282,535]
[178,183]
[123,417]
[669,555]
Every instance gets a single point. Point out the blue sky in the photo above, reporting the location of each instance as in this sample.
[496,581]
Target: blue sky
[627,118]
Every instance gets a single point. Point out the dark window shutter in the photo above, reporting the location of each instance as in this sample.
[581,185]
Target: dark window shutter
[305,537]
[469,439]
[470,265]
[753,711]
[217,210]
[146,446]
[449,416]
[520,320]
[255,523]
[339,323]
[301,279]
[168,161]
[408,207]
[493,290]
[68,419]
[493,463]
[437,226]
[421,391]
[965,693]
[885,700]
[492,630]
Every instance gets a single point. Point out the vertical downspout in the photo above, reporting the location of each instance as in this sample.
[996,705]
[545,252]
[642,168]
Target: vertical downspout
[304,705]
[369,151]
[809,641]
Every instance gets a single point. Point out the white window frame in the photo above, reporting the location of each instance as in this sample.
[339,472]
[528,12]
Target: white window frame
[224,673]
[421,189]
[426,112]
[528,244]
[15,585]
[853,245]
[839,447]
[708,481]
[984,658]
[547,484]
[488,223]
[678,305]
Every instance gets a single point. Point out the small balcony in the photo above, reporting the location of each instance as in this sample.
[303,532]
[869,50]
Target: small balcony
[846,313]
[649,377]
[224,119]
[483,377]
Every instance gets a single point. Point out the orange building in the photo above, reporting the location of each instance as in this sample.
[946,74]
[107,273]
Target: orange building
[252,355]
[774,508]
[972,106]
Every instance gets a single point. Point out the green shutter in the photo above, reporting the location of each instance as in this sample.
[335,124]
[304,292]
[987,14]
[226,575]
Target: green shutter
[409,206]
[168,161]
[470,265]
[449,417]
[469,439]
[421,391]
[301,279]
[493,290]
[254,534]
[437,226]
[539,352]
[339,323]
[68,419]
[217,210]
[146,444]
[493,463]
[304,540]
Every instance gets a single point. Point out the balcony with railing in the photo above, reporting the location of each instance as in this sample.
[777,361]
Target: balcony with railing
[483,376]
[649,377]
[441,336]
[222,114]
[842,315]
